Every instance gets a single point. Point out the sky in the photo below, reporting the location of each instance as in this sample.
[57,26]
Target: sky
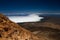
[24,7]
[28,10]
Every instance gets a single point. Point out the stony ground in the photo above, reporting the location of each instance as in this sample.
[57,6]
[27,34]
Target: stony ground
[12,31]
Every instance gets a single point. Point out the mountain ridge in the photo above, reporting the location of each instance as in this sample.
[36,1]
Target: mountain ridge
[12,31]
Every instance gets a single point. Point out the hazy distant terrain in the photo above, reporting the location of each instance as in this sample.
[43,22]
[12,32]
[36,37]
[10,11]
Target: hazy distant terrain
[48,28]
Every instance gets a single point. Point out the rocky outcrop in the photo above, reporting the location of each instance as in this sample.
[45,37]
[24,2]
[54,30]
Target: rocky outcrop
[12,31]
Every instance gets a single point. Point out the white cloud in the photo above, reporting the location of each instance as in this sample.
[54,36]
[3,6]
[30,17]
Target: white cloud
[29,18]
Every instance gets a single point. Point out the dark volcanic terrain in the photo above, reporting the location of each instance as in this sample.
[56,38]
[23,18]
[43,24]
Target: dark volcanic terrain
[48,28]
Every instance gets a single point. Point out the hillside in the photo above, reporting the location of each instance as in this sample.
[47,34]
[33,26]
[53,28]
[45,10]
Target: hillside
[12,31]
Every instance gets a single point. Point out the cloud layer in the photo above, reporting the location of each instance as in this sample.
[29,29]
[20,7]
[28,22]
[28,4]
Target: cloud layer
[29,18]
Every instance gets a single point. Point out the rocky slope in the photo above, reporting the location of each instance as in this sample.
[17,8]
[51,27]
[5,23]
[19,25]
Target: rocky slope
[12,31]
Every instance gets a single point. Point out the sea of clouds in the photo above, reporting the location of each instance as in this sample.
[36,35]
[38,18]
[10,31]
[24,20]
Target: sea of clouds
[28,18]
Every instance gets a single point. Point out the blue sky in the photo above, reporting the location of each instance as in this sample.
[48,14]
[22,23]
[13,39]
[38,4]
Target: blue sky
[22,6]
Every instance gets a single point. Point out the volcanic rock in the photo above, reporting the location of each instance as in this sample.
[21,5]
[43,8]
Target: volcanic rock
[12,31]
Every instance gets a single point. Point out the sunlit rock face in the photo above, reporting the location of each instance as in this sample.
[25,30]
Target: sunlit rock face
[12,31]
[29,18]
